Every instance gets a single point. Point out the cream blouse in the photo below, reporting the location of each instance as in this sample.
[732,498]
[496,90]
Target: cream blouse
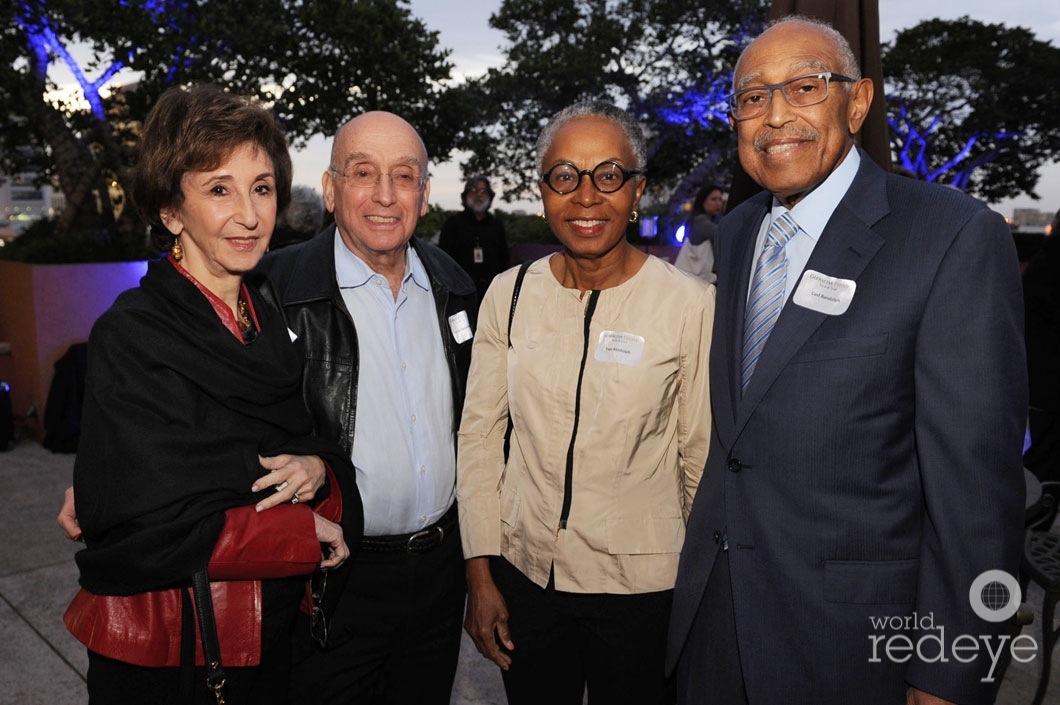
[643,428]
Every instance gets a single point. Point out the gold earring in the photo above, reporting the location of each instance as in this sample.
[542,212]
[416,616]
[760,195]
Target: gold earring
[633,218]
[177,252]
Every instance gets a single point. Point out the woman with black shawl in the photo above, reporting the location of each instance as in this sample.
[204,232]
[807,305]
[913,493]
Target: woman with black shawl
[196,452]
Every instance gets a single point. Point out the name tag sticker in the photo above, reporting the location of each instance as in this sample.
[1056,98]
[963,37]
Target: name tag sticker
[623,348]
[824,294]
[294,336]
[460,326]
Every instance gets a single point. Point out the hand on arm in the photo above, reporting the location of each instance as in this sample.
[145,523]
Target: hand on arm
[330,533]
[486,619]
[295,477]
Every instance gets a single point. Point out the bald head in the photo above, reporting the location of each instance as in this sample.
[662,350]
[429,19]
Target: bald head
[377,188]
[370,125]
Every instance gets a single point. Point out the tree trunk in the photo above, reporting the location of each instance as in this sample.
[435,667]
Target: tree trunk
[76,166]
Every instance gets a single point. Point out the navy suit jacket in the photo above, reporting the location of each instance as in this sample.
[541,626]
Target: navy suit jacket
[872,468]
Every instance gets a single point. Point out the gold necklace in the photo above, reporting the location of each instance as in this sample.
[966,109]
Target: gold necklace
[244,317]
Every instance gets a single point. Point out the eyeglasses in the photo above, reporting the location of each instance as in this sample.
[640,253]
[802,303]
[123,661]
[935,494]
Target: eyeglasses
[402,178]
[318,624]
[800,92]
[607,177]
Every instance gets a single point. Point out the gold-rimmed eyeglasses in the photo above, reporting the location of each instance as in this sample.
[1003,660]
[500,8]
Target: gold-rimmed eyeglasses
[318,622]
[402,178]
[800,92]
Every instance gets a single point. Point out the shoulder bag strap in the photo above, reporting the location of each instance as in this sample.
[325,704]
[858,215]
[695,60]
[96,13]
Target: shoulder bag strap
[511,317]
[211,650]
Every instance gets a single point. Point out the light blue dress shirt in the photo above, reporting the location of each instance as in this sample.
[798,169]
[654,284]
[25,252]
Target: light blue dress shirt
[403,445]
[811,214]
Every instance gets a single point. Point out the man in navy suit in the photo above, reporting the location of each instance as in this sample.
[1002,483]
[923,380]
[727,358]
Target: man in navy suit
[869,390]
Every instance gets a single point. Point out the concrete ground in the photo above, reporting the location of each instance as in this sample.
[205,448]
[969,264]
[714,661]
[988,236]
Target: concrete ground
[41,664]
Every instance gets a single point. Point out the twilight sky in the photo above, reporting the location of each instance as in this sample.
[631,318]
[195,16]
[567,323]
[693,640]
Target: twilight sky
[464,29]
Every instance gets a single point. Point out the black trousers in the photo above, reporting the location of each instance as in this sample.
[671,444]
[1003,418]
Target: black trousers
[406,612]
[565,642]
[113,682]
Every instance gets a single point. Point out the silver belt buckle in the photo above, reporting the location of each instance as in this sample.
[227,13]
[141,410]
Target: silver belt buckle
[417,535]
[423,534]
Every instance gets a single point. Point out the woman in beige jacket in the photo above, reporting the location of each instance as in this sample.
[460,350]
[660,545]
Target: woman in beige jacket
[572,542]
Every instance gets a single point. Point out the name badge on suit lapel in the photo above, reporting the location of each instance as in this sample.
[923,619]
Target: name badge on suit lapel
[824,294]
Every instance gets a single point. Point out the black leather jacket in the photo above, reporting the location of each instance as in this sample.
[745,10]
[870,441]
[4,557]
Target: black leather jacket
[303,277]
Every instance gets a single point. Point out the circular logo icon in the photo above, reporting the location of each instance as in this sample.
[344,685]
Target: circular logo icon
[995,595]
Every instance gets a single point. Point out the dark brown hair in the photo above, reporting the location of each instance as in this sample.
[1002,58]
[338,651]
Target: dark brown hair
[195,129]
[701,195]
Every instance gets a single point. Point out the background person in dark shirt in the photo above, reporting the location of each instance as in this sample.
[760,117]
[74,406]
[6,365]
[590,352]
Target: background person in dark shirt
[1041,300]
[474,238]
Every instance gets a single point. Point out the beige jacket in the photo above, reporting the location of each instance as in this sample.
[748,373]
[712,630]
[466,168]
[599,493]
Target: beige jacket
[641,439]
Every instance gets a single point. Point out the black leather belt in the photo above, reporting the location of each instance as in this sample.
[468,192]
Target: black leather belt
[416,542]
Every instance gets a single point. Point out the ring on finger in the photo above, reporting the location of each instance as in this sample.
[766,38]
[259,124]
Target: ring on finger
[280,487]
[296,499]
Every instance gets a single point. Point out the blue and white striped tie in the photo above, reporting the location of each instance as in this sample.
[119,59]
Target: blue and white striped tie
[767,293]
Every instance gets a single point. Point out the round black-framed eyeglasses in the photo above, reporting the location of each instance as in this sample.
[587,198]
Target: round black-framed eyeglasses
[607,177]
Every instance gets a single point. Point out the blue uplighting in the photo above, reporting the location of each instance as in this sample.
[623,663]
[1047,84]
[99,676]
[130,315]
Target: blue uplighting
[45,44]
[916,144]
[698,107]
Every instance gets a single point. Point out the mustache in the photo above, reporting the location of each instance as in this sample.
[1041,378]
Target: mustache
[800,133]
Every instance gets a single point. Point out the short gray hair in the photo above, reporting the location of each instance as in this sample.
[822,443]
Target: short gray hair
[597,109]
[848,63]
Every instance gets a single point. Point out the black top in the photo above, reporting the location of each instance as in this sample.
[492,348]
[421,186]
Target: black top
[462,233]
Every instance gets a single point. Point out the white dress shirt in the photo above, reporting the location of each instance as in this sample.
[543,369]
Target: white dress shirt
[403,446]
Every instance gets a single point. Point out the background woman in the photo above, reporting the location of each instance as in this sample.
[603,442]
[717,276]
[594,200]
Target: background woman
[194,426]
[605,378]
[697,253]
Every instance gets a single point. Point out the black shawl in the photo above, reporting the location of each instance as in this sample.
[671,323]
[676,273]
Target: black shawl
[176,411]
